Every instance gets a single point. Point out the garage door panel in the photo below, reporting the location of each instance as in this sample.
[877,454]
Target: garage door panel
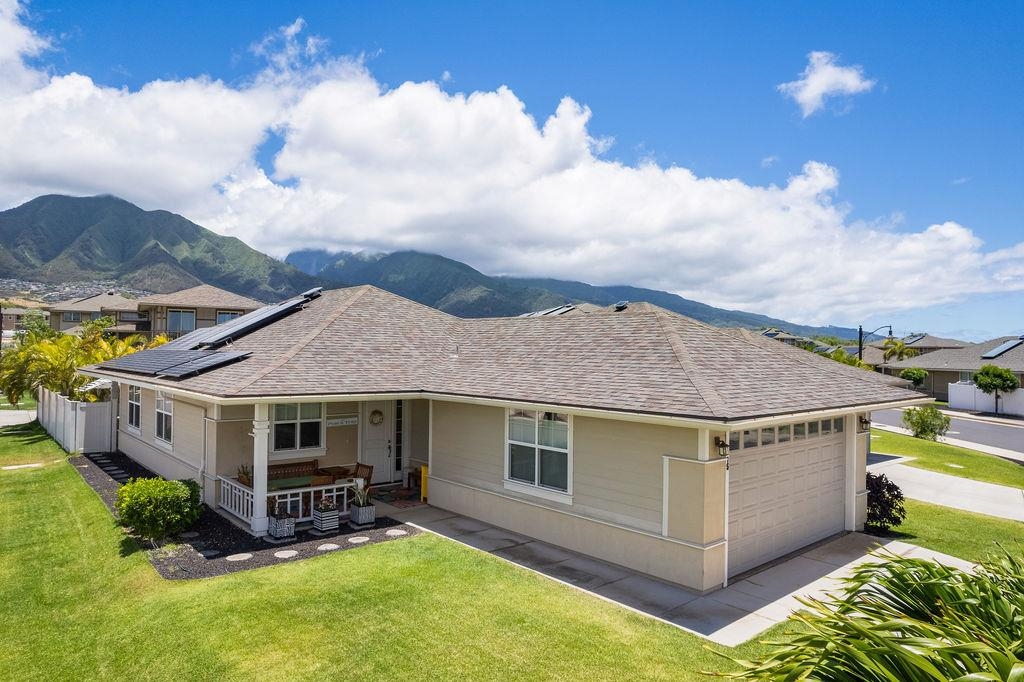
[784,497]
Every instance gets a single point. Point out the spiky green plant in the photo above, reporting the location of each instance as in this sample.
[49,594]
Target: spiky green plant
[909,620]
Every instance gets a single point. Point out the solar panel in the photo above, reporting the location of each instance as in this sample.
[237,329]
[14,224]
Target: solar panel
[238,327]
[913,338]
[1002,348]
[209,361]
[154,360]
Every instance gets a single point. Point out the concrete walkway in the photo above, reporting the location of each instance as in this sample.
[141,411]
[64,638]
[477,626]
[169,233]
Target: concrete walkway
[12,417]
[950,491]
[987,449]
[730,616]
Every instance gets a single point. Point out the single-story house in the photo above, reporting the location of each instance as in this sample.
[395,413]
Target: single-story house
[924,343]
[958,365]
[13,317]
[639,436]
[193,308]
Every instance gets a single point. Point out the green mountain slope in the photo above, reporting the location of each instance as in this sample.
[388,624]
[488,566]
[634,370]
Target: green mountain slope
[459,289]
[57,238]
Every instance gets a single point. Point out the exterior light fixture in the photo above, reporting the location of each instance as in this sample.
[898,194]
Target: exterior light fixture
[723,446]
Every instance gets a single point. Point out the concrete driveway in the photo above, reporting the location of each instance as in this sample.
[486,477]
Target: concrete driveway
[12,417]
[730,616]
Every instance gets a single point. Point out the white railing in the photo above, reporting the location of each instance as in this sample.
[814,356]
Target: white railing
[236,498]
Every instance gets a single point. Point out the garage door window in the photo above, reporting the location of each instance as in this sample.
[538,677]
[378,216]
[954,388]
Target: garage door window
[826,427]
[837,424]
[812,430]
[784,433]
[749,439]
[768,436]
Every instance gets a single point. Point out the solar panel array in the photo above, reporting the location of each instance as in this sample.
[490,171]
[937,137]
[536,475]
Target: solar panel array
[170,362]
[1002,348]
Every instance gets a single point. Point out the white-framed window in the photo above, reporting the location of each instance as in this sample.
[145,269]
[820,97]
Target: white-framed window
[164,416]
[538,449]
[227,315]
[749,439]
[181,320]
[966,377]
[71,317]
[297,426]
[135,407]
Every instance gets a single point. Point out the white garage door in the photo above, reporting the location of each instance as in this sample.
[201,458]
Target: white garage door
[785,490]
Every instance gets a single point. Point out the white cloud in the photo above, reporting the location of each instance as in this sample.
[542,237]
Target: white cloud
[769,161]
[446,76]
[963,180]
[475,177]
[823,78]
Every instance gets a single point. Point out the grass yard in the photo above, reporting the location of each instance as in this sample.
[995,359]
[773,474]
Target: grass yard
[951,531]
[27,402]
[80,601]
[949,459]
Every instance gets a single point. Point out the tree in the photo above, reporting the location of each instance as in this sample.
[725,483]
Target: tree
[993,379]
[915,375]
[34,323]
[926,422]
[840,355]
[895,348]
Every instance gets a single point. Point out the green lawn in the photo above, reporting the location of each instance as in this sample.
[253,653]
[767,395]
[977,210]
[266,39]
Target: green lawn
[951,531]
[27,402]
[80,601]
[949,459]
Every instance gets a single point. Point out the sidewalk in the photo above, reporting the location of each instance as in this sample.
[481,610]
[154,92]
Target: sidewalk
[987,449]
[12,417]
[953,491]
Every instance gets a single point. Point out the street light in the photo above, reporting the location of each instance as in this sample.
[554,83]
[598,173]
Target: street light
[860,338]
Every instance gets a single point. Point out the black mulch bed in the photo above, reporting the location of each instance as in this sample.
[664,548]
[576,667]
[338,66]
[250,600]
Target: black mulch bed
[205,554]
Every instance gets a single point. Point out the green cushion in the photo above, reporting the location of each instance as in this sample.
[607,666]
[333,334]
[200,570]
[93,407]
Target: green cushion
[285,483]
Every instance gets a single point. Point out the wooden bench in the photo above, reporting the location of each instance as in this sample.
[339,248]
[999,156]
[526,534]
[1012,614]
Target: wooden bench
[293,469]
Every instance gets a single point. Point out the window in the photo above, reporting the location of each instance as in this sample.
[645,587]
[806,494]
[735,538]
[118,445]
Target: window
[95,316]
[750,438]
[71,317]
[227,315]
[784,433]
[181,320]
[297,426]
[164,416]
[966,377]
[826,427]
[538,449]
[134,407]
[837,424]
[798,431]
[812,429]
[734,440]
[768,436]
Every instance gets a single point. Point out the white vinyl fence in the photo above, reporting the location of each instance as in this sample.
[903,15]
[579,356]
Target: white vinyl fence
[966,396]
[77,426]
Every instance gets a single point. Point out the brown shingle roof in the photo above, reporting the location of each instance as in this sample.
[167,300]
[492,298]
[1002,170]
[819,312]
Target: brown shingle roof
[364,340]
[108,300]
[203,296]
[968,358]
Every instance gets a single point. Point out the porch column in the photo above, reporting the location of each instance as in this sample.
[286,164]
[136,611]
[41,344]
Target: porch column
[260,446]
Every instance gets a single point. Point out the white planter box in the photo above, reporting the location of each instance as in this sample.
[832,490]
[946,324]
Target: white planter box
[281,528]
[360,517]
[326,520]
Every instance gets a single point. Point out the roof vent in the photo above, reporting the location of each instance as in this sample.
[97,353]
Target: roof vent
[621,305]
[110,293]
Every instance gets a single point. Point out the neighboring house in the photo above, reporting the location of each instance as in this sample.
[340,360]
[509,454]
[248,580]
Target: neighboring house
[195,308]
[789,339]
[958,365]
[68,316]
[872,355]
[922,343]
[689,452]
[13,317]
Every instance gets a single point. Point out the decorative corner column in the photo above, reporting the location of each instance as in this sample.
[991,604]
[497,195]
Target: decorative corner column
[260,448]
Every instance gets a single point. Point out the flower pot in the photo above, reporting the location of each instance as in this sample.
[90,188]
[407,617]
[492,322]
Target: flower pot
[362,517]
[326,520]
[244,480]
[281,528]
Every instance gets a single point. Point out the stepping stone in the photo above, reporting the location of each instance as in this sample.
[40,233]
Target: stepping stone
[286,554]
[244,556]
[327,547]
[359,539]
[209,553]
[188,535]
[396,532]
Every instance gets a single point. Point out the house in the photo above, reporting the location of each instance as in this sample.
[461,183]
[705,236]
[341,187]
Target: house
[194,308]
[922,343]
[953,366]
[68,316]
[648,439]
[14,317]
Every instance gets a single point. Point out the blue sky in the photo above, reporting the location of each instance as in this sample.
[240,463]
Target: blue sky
[938,137]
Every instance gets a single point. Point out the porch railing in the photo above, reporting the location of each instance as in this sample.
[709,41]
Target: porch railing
[238,499]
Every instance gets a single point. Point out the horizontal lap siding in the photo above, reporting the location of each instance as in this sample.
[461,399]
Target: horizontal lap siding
[469,443]
[183,458]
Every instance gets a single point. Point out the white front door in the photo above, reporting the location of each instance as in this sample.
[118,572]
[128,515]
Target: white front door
[378,439]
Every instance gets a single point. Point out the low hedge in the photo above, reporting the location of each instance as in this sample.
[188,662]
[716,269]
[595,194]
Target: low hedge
[155,508]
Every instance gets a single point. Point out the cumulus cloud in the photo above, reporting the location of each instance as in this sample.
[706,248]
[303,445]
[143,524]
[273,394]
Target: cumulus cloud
[473,176]
[823,78]
[769,161]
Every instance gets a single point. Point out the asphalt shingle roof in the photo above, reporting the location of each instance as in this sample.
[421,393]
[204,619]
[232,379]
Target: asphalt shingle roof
[108,300]
[203,296]
[363,340]
[968,358]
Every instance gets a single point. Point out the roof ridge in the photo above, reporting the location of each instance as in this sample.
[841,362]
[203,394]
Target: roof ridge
[305,341]
[714,402]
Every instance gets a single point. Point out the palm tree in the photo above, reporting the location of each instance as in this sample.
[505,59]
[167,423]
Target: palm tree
[896,348]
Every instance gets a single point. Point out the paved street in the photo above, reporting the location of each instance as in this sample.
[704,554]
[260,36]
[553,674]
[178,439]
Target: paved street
[1006,436]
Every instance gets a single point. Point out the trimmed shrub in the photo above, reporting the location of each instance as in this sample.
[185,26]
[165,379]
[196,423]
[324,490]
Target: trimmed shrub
[914,375]
[155,508]
[926,422]
[885,504]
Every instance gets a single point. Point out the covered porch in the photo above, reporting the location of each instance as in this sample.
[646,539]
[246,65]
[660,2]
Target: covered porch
[289,456]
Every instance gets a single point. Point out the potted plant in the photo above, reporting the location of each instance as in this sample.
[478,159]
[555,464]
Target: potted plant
[362,513]
[280,524]
[325,515]
[244,475]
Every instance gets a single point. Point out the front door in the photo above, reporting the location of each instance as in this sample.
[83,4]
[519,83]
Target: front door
[378,439]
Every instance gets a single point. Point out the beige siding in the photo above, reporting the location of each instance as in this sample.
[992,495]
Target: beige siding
[938,383]
[696,500]
[234,446]
[183,458]
[419,433]
[469,444]
[205,317]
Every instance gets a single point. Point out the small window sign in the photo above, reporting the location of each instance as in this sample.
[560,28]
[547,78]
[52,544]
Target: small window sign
[343,420]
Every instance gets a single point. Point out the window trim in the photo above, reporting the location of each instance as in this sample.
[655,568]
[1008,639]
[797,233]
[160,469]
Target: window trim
[536,489]
[297,451]
[136,428]
[70,316]
[167,320]
[169,400]
[234,313]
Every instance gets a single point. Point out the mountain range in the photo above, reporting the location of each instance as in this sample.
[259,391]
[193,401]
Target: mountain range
[63,239]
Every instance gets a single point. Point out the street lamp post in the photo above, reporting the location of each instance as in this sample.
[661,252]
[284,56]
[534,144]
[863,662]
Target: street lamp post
[860,338]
